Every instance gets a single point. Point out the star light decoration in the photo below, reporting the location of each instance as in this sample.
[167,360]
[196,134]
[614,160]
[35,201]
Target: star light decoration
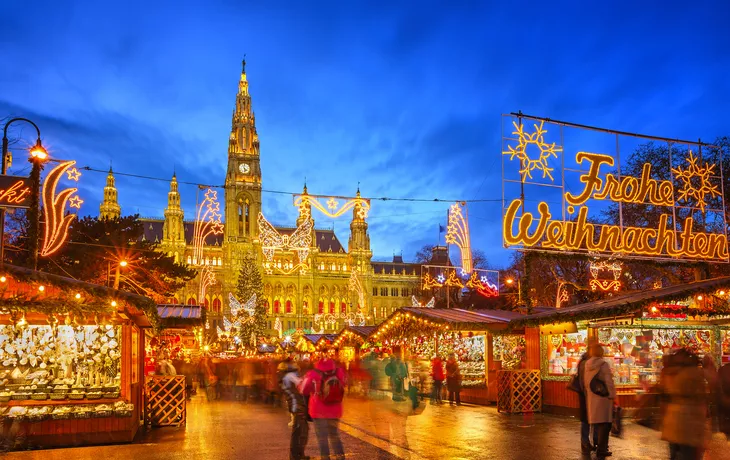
[457,232]
[695,182]
[536,139]
[449,276]
[54,204]
[207,279]
[207,222]
[332,207]
[271,240]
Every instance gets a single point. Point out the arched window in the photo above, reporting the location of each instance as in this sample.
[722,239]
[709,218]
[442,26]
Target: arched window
[217,305]
[206,304]
[288,306]
[320,310]
[277,306]
[191,301]
[305,307]
[190,260]
[244,216]
[266,304]
[332,307]
[175,301]
[343,307]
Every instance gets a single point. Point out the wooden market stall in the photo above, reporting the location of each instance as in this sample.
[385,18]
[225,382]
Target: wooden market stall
[350,340]
[70,360]
[424,332]
[166,395]
[312,343]
[636,329]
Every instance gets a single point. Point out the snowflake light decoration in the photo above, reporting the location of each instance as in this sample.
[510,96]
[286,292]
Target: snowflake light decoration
[695,182]
[537,139]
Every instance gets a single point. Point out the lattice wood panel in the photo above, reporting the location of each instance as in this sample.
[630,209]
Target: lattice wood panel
[165,403]
[519,391]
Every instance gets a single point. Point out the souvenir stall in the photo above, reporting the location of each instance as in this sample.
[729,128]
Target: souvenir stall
[424,332]
[350,341]
[70,360]
[636,330]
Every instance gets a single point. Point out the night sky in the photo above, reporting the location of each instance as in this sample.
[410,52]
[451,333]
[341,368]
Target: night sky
[405,100]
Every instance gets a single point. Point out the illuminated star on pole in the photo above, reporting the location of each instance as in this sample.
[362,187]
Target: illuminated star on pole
[73,174]
[332,204]
[75,202]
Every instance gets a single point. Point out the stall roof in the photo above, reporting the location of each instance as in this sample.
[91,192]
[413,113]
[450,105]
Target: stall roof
[362,331]
[462,319]
[623,304]
[314,338]
[176,314]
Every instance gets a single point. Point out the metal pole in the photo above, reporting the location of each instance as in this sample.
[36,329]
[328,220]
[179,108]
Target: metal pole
[2,210]
[35,208]
[116,278]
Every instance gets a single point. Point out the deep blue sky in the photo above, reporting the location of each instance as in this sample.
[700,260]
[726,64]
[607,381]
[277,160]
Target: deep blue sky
[404,99]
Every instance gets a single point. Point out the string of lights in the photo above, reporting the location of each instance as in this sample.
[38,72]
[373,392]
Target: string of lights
[283,192]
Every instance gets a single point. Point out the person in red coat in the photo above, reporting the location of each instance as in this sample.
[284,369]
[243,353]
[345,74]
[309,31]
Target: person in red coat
[325,404]
[438,376]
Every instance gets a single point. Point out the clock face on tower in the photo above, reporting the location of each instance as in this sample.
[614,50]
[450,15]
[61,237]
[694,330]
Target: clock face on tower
[244,168]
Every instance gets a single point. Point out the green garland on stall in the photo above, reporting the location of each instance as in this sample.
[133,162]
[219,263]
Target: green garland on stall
[95,299]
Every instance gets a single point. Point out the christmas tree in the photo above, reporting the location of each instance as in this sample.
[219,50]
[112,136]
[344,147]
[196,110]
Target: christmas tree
[251,283]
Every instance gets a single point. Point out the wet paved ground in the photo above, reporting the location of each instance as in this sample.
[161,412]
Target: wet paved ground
[230,430]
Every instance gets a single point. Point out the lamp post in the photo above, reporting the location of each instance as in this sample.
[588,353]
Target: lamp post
[120,264]
[38,155]
[511,281]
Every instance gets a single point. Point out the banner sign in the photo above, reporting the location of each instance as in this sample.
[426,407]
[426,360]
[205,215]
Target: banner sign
[15,192]
[566,189]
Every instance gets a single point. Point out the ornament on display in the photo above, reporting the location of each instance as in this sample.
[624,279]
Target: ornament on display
[416,304]
[54,206]
[299,241]
[457,232]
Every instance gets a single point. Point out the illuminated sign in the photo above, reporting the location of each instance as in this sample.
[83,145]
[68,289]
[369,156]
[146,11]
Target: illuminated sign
[15,192]
[578,201]
[457,232]
[484,282]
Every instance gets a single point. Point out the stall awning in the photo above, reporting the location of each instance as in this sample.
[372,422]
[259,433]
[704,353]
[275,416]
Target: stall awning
[627,304]
[458,319]
[361,332]
[175,314]
[314,338]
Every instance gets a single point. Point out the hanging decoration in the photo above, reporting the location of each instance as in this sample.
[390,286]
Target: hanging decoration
[332,207]
[235,306]
[271,240]
[537,139]
[696,185]
[207,279]
[285,269]
[207,222]
[597,267]
[417,304]
[54,206]
[457,232]
[562,295]
[484,282]
[278,326]
[355,285]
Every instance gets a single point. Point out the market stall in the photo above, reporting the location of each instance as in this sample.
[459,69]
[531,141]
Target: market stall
[351,340]
[636,330]
[70,360]
[425,332]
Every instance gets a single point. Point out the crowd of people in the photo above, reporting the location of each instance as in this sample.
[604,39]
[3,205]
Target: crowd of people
[693,399]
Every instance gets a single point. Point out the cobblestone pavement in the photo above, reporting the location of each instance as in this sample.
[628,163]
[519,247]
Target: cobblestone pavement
[371,430]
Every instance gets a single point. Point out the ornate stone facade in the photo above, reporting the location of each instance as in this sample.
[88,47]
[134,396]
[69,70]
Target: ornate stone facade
[320,297]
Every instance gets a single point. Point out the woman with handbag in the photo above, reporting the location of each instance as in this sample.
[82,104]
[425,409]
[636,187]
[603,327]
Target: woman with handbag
[600,396]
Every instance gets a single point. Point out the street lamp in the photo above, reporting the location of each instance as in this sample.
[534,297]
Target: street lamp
[121,264]
[38,155]
[511,281]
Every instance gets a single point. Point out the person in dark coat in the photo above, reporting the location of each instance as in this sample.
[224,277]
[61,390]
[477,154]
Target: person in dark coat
[723,399]
[599,408]
[453,380]
[585,428]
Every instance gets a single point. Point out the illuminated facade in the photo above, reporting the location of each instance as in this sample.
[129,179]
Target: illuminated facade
[308,298]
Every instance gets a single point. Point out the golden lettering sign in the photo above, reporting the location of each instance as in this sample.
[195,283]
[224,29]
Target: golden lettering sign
[14,191]
[679,230]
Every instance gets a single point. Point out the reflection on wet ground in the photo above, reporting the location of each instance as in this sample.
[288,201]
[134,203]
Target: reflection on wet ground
[370,430]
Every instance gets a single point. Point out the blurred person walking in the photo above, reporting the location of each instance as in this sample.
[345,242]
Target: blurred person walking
[325,386]
[437,374]
[600,397]
[723,399]
[397,372]
[290,381]
[685,406]
[585,427]
[453,379]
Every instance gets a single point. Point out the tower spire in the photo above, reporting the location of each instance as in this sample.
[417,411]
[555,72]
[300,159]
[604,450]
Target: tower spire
[109,208]
[173,230]
[244,140]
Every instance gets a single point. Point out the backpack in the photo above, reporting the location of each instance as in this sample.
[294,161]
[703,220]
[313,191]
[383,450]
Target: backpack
[331,390]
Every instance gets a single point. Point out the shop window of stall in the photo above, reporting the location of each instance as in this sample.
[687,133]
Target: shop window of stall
[725,337]
[510,350]
[564,352]
[635,354]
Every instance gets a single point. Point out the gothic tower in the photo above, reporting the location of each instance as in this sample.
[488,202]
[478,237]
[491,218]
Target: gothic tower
[243,184]
[109,208]
[359,251]
[173,230]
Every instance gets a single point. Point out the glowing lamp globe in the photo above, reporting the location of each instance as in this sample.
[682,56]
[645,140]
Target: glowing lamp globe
[38,152]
